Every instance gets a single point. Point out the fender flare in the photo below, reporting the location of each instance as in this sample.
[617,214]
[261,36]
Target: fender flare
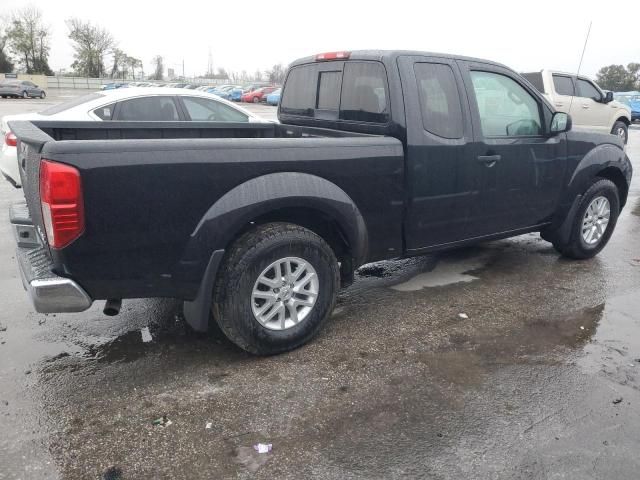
[256,197]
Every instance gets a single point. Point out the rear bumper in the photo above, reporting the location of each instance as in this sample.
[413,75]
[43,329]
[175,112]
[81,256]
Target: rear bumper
[49,293]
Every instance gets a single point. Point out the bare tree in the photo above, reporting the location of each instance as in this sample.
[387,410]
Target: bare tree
[90,44]
[276,74]
[6,65]
[28,38]
[158,63]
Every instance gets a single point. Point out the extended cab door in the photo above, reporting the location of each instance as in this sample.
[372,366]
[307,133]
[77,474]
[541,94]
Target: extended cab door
[440,169]
[518,164]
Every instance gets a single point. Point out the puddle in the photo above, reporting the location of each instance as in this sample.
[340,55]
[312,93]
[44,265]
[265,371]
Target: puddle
[615,346]
[447,272]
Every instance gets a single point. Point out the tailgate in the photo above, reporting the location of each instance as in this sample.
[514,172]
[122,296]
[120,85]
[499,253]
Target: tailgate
[31,140]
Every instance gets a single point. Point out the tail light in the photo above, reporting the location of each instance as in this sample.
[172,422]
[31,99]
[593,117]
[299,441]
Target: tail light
[332,56]
[62,203]
[10,139]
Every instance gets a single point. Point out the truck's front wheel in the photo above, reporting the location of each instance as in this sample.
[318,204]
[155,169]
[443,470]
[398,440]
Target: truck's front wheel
[594,222]
[621,130]
[276,287]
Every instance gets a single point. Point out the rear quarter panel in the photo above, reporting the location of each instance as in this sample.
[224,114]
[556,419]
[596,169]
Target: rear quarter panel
[144,200]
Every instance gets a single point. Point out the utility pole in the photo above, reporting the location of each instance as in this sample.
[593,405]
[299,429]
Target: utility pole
[183,68]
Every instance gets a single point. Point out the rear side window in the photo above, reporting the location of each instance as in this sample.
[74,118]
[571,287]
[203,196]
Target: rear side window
[563,85]
[439,100]
[148,109]
[104,113]
[299,92]
[364,93]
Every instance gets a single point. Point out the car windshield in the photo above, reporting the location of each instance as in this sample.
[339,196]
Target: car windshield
[70,104]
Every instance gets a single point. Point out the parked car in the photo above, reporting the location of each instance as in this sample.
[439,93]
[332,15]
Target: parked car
[236,94]
[259,225]
[632,100]
[114,86]
[257,95]
[589,106]
[274,97]
[223,91]
[21,88]
[130,104]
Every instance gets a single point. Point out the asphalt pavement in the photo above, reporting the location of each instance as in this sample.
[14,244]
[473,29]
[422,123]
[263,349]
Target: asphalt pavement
[500,361]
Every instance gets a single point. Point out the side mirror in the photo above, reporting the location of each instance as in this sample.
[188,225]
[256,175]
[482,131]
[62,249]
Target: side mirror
[608,97]
[560,122]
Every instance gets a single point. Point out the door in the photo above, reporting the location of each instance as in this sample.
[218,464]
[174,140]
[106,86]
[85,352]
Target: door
[589,99]
[440,176]
[563,96]
[518,164]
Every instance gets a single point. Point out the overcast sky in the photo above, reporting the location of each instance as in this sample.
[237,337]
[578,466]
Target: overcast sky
[254,35]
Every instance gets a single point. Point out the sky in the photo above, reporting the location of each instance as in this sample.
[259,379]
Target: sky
[252,35]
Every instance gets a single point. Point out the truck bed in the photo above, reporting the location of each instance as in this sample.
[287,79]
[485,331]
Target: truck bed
[149,187]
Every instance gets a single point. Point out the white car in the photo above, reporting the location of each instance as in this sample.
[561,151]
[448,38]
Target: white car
[127,104]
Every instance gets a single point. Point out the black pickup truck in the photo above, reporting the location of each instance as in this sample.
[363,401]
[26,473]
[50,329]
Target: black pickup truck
[379,155]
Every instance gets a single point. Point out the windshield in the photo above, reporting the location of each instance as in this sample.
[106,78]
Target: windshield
[70,104]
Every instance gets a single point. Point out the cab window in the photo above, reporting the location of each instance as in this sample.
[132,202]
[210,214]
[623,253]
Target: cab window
[439,100]
[364,93]
[563,85]
[505,108]
[587,90]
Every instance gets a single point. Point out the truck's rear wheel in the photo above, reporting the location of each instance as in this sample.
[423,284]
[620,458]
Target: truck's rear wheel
[621,130]
[276,287]
[594,222]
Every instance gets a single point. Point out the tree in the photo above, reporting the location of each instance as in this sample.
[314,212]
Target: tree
[28,39]
[158,68]
[257,76]
[90,45]
[616,78]
[276,74]
[6,65]
[634,71]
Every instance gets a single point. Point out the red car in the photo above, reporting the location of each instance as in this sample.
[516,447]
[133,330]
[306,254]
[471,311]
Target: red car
[258,95]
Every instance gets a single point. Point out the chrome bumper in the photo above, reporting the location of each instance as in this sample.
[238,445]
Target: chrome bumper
[49,292]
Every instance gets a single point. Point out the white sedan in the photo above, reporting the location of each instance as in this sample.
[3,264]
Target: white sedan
[127,104]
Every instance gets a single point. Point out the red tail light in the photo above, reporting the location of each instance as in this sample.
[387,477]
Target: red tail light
[62,203]
[332,56]
[10,139]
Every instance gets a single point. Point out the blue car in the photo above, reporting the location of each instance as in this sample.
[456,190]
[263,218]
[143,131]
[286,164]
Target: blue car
[632,100]
[236,94]
[274,97]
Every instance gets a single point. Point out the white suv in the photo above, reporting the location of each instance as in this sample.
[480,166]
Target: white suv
[590,108]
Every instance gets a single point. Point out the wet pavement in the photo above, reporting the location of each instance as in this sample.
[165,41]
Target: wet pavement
[540,380]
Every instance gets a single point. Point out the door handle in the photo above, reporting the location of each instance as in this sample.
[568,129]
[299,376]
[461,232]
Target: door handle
[559,104]
[585,105]
[489,160]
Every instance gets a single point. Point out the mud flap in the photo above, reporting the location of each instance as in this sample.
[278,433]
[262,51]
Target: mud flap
[197,311]
[562,233]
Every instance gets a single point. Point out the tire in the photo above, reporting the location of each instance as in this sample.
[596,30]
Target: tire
[43,95]
[621,130]
[25,94]
[233,304]
[4,96]
[256,100]
[577,247]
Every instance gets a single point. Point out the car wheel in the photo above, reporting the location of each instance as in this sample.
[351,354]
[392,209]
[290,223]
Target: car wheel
[4,96]
[594,222]
[256,100]
[25,94]
[276,288]
[43,95]
[621,130]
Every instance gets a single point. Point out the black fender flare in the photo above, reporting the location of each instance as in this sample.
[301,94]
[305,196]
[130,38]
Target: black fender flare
[230,214]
